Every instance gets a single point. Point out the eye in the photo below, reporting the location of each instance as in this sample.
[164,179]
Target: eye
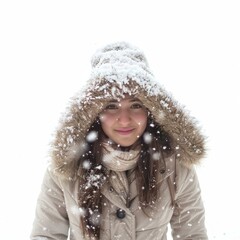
[111,106]
[137,106]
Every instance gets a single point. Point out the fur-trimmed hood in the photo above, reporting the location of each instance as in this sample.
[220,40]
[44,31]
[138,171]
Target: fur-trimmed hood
[120,69]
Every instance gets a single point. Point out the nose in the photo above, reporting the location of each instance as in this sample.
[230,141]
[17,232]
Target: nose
[124,117]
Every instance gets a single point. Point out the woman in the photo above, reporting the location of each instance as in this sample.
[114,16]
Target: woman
[122,159]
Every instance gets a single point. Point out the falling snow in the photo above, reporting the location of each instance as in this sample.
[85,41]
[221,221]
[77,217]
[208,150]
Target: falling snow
[92,136]
[86,164]
[156,155]
[75,210]
[147,137]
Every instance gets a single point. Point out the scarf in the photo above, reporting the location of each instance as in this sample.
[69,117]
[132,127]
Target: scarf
[118,162]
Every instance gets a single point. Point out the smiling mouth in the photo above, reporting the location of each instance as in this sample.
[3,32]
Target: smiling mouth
[124,131]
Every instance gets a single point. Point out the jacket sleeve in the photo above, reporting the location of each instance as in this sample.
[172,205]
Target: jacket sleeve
[189,215]
[51,219]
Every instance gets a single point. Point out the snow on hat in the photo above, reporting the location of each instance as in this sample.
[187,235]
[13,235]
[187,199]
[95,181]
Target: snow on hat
[120,52]
[120,64]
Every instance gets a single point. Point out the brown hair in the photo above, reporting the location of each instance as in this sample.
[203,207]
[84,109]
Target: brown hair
[94,175]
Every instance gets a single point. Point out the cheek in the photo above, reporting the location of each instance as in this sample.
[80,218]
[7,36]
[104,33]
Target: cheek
[142,120]
[142,125]
[106,120]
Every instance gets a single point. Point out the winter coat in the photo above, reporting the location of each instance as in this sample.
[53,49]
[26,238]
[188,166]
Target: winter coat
[119,69]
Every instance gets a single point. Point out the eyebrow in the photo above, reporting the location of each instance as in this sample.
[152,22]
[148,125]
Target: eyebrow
[132,100]
[135,100]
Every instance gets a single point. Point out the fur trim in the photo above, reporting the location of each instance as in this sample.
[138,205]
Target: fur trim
[120,69]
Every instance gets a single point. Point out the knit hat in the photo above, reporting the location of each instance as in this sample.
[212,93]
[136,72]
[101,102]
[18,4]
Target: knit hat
[123,68]
[120,52]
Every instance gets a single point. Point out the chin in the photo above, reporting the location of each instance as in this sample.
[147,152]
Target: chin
[127,144]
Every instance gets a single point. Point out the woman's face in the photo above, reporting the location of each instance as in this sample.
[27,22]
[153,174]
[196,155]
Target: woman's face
[124,121]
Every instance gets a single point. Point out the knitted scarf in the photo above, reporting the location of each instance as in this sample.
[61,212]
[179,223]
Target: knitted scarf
[118,162]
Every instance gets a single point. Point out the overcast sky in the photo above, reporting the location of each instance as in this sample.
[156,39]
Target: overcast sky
[45,49]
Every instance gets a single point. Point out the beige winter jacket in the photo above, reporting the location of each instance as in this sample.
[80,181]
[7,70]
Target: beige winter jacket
[119,69]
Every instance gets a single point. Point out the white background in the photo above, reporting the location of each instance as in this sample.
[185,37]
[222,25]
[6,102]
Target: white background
[45,49]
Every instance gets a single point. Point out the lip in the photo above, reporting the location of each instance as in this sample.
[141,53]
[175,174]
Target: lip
[124,131]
